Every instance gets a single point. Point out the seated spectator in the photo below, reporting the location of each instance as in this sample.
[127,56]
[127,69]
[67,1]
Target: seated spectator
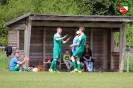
[67,60]
[87,57]
[15,64]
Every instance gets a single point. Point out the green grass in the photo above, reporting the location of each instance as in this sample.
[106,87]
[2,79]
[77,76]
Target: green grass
[65,80]
[3,61]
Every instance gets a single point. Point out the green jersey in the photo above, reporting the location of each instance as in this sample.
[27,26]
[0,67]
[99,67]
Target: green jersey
[57,44]
[79,51]
[82,41]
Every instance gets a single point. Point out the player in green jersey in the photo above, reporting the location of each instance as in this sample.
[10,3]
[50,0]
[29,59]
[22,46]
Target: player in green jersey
[58,41]
[79,51]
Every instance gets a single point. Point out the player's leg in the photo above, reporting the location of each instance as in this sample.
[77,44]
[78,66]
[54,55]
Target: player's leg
[78,64]
[57,58]
[55,65]
[80,53]
[54,60]
[52,65]
[73,59]
[16,68]
[75,55]
[73,62]
[24,68]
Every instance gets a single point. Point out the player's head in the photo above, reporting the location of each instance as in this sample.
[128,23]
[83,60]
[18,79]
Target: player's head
[16,54]
[66,51]
[59,30]
[81,29]
[77,33]
[87,45]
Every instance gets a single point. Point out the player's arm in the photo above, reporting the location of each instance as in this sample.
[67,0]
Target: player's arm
[85,58]
[90,55]
[25,59]
[74,44]
[66,40]
[90,58]
[57,39]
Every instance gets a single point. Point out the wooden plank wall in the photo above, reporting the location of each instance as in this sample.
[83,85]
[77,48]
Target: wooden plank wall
[12,37]
[116,62]
[12,41]
[49,42]
[98,49]
[88,35]
[109,49]
[36,46]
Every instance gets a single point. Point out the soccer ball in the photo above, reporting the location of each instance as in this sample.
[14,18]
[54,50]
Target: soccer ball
[35,69]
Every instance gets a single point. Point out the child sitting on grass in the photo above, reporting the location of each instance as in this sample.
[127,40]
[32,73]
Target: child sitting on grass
[67,60]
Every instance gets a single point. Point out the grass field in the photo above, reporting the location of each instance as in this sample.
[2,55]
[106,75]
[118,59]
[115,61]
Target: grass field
[63,80]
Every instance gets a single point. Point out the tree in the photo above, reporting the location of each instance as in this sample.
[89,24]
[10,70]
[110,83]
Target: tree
[10,9]
[129,37]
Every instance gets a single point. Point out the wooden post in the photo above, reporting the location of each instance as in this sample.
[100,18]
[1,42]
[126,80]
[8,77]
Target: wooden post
[44,41]
[27,39]
[122,46]
[105,50]
[112,41]
[112,47]
[18,39]
[91,39]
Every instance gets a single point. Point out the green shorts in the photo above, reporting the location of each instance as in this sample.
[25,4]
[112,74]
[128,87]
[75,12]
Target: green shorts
[16,68]
[78,53]
[56,53]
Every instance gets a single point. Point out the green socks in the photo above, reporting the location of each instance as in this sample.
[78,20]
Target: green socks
[52,64]
[74,64]
[79,67]
[55,65]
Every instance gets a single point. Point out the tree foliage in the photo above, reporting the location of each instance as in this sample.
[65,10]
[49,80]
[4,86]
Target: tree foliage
[10,9]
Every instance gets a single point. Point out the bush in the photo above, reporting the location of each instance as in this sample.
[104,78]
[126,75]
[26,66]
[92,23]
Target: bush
[3,61]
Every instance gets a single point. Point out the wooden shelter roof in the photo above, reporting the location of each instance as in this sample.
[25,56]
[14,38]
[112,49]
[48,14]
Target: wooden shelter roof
[72,18]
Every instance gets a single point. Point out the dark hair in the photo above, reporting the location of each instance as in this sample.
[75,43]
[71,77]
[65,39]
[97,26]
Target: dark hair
[67,49]
[88,48]
[87,43]
[15,53]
